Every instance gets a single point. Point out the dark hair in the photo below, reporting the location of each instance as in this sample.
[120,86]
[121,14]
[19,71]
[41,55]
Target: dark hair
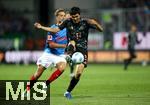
[75,10]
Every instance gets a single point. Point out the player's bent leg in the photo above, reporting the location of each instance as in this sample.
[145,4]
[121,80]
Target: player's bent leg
[33,79]
[39,71]
[43,62]
[71,65]
[61,66]
[36,75]
[59,70]
[79,70]
[74,80]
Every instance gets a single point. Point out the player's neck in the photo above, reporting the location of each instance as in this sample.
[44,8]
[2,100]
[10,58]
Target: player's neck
[58,23]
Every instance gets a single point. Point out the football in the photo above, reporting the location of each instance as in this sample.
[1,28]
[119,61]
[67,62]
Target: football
[77,58]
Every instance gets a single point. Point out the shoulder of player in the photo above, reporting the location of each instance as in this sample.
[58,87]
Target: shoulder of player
[87,20]
[84,19]
[67,20]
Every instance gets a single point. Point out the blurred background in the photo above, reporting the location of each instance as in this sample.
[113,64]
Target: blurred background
[20,42]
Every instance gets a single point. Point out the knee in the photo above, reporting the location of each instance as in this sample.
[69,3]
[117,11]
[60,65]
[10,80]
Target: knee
[61,66]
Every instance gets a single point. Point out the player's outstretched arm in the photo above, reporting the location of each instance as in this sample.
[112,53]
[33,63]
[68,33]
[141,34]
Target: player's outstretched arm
[39,26]
[94,22]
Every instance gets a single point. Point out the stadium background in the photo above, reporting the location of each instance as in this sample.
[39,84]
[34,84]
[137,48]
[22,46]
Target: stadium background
[18,34]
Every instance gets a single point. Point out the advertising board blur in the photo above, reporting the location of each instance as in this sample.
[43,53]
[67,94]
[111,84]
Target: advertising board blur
[27,57]
[95,41]
[120,41]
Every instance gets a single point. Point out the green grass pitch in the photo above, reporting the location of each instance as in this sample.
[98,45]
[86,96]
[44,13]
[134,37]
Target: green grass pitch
[100,84]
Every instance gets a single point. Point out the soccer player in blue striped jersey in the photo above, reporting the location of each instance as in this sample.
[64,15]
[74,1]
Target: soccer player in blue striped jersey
[58,41]
[53,53]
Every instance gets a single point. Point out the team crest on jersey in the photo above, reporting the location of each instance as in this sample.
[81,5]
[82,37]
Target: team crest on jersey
[49,37]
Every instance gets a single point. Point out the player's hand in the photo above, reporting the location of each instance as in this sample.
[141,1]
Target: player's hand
[71,47]
[73,43]
[37,25]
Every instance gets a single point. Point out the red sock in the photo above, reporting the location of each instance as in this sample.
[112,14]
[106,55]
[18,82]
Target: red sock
[32,81]
[54,76]
[28,86]
[32,78]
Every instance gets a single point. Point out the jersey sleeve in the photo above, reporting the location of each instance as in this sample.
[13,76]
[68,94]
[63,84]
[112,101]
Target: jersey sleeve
[91,25]
[50,36]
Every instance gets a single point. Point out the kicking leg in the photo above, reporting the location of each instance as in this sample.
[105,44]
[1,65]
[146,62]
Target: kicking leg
[74,80]
[71,65]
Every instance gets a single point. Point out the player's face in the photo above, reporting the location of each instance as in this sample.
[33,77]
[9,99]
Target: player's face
[75,18]
[60,17]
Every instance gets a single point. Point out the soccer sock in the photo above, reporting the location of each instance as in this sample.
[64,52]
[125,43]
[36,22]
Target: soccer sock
[54,76]
[72,84]
[32,81]
[71,67]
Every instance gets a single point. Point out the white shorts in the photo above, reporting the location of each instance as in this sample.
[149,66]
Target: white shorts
[50,60]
